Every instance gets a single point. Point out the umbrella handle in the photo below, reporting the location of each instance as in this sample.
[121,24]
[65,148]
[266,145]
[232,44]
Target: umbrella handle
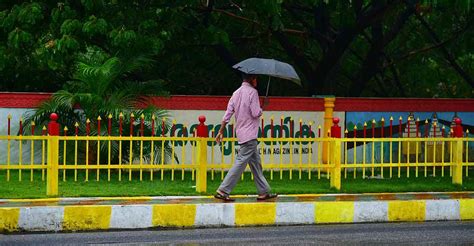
[268,86]
[266,94]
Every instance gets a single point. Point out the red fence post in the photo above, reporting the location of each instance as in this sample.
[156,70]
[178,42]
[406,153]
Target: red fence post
[373,128]
[53,126]
[109,124]
[153,125]
[9,122]
[76,126]
[301,128]
[20,132]
[458,131]
[88,127]
[400,133]
[120,123]
[202,128]
[33,128]
[281,126]
[383,125]
[99,119]
[173,129]
[335,129]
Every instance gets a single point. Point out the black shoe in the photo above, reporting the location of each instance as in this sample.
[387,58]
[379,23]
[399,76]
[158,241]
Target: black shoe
[267,196]
[223,197]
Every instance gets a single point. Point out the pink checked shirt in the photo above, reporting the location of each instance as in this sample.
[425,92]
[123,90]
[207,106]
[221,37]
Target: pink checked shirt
[245,104]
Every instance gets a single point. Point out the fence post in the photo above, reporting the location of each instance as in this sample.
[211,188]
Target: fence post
[336,129]
[336,154]
[457,152]
[201,177]
[336,170]
[328,115]
[53,156]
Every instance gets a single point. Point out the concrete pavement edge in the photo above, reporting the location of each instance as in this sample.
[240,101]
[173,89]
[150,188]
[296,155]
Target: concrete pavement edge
[143,216]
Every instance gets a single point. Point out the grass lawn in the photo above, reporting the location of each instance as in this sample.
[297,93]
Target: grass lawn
[37,188]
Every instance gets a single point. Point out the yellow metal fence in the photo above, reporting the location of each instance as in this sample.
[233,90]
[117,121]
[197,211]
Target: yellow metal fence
[62,157]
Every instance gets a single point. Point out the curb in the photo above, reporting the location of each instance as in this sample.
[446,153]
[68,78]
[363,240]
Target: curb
[143,216]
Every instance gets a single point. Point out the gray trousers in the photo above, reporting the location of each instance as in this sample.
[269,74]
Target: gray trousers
[248,153]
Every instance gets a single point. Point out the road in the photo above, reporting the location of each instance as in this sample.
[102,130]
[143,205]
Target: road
[438,233]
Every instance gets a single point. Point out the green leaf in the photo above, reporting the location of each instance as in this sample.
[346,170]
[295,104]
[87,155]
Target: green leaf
[3,16]
[61,13]
[10,20]
[30,14]
[71,26]
[123,38]
[67,43]
[94,26]
[18,39]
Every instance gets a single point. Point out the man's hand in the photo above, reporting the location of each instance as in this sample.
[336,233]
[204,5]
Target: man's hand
[219,137]
[220,134]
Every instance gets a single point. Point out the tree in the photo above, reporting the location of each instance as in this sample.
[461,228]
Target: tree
[415,48]
[346,48]
[41,40]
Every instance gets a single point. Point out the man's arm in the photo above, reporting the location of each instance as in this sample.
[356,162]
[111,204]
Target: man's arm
[255,109]
[228,114]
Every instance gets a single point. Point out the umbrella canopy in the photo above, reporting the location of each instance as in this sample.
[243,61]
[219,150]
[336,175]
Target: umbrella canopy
[268,67]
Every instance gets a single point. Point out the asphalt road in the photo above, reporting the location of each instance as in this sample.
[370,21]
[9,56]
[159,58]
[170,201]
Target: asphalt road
[426,233]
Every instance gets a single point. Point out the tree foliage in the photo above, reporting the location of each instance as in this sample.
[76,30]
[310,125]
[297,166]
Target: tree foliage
[414,48]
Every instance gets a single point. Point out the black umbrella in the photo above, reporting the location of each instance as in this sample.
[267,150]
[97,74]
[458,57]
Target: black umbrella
[270,67]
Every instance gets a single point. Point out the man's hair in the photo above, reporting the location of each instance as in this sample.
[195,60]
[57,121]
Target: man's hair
[248,77]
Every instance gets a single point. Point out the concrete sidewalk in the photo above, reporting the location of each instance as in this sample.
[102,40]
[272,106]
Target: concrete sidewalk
[78,214]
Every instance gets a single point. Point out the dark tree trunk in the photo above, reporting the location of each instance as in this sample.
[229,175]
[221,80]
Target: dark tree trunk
[372,64]
[330,60]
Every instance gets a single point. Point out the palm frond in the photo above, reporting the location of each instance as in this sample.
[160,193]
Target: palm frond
[137,63]
[41,115]
[100,88]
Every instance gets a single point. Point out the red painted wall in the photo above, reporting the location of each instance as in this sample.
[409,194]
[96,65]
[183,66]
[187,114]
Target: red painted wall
[180,102]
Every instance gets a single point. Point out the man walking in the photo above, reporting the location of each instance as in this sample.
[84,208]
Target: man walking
[245,104]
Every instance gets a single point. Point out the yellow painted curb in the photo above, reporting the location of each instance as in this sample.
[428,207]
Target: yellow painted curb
[86,217]
[334,212]
[255,214]
[466,209]
[406,210]
[9,219]
[35,200]
[181,215]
